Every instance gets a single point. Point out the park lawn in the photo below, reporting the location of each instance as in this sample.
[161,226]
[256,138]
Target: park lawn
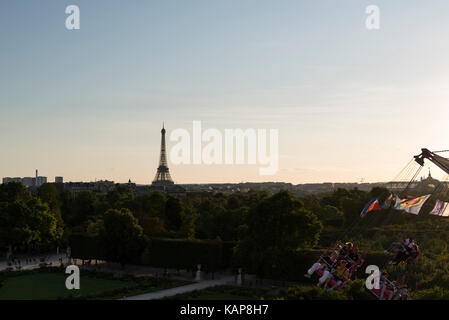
[224,292]
[51,286]
[137,291]
[221,296]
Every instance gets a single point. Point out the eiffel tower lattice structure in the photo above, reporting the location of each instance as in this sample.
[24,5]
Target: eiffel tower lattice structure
[163,177]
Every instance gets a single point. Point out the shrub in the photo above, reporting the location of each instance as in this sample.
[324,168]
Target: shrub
[171,253]
[314,293]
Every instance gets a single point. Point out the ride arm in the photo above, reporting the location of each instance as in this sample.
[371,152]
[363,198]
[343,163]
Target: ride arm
[441,162]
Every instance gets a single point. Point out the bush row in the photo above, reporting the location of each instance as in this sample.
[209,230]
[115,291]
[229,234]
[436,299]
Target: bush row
[164,253]
[214,255]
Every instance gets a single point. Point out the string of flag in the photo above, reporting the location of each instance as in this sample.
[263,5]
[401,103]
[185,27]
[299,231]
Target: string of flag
[409,205]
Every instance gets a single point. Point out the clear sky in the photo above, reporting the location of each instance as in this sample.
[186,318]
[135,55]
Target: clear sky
[349,103]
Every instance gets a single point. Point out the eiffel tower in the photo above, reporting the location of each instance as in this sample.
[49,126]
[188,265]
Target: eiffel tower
[163,177]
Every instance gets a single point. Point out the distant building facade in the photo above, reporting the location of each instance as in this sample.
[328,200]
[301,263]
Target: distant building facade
[8,180]
[28,182]
[103,187]
[40,181]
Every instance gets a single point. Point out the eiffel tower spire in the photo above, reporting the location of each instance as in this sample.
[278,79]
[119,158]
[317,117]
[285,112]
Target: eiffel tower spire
[163,177]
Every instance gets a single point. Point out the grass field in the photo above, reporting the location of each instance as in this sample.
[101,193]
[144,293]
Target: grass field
[220,296]
[51,286]
[224,293]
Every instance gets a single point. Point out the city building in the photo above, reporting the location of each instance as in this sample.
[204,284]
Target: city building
[101,187]
[28,182]
[8,180]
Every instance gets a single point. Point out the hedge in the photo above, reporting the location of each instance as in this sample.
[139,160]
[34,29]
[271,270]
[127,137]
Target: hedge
[187,254]
[213,255]
[85,247]
[164,253]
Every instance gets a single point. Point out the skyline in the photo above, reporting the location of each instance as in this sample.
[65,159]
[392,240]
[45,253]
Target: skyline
[348,103]
[423,174]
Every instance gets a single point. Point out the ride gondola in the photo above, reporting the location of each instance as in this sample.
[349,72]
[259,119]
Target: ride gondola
[336,267]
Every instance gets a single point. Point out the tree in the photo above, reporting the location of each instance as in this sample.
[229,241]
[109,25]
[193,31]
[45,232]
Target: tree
[333,199]
[24,223]
[331,215]
[83,209]
[44,221]
[351,208]
[50,195]
[187,229]
[122,236]
[277,225]
[312,203]
[14,191]
[228,221]
[379,192]
[313,293]
[173,214]
[208,223]
[153,204]
[152,226]
[94,227]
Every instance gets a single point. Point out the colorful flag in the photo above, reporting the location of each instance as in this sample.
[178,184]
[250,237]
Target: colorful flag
[387,202]
[413,205]
[397,201]
[371,206]
[441,209]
